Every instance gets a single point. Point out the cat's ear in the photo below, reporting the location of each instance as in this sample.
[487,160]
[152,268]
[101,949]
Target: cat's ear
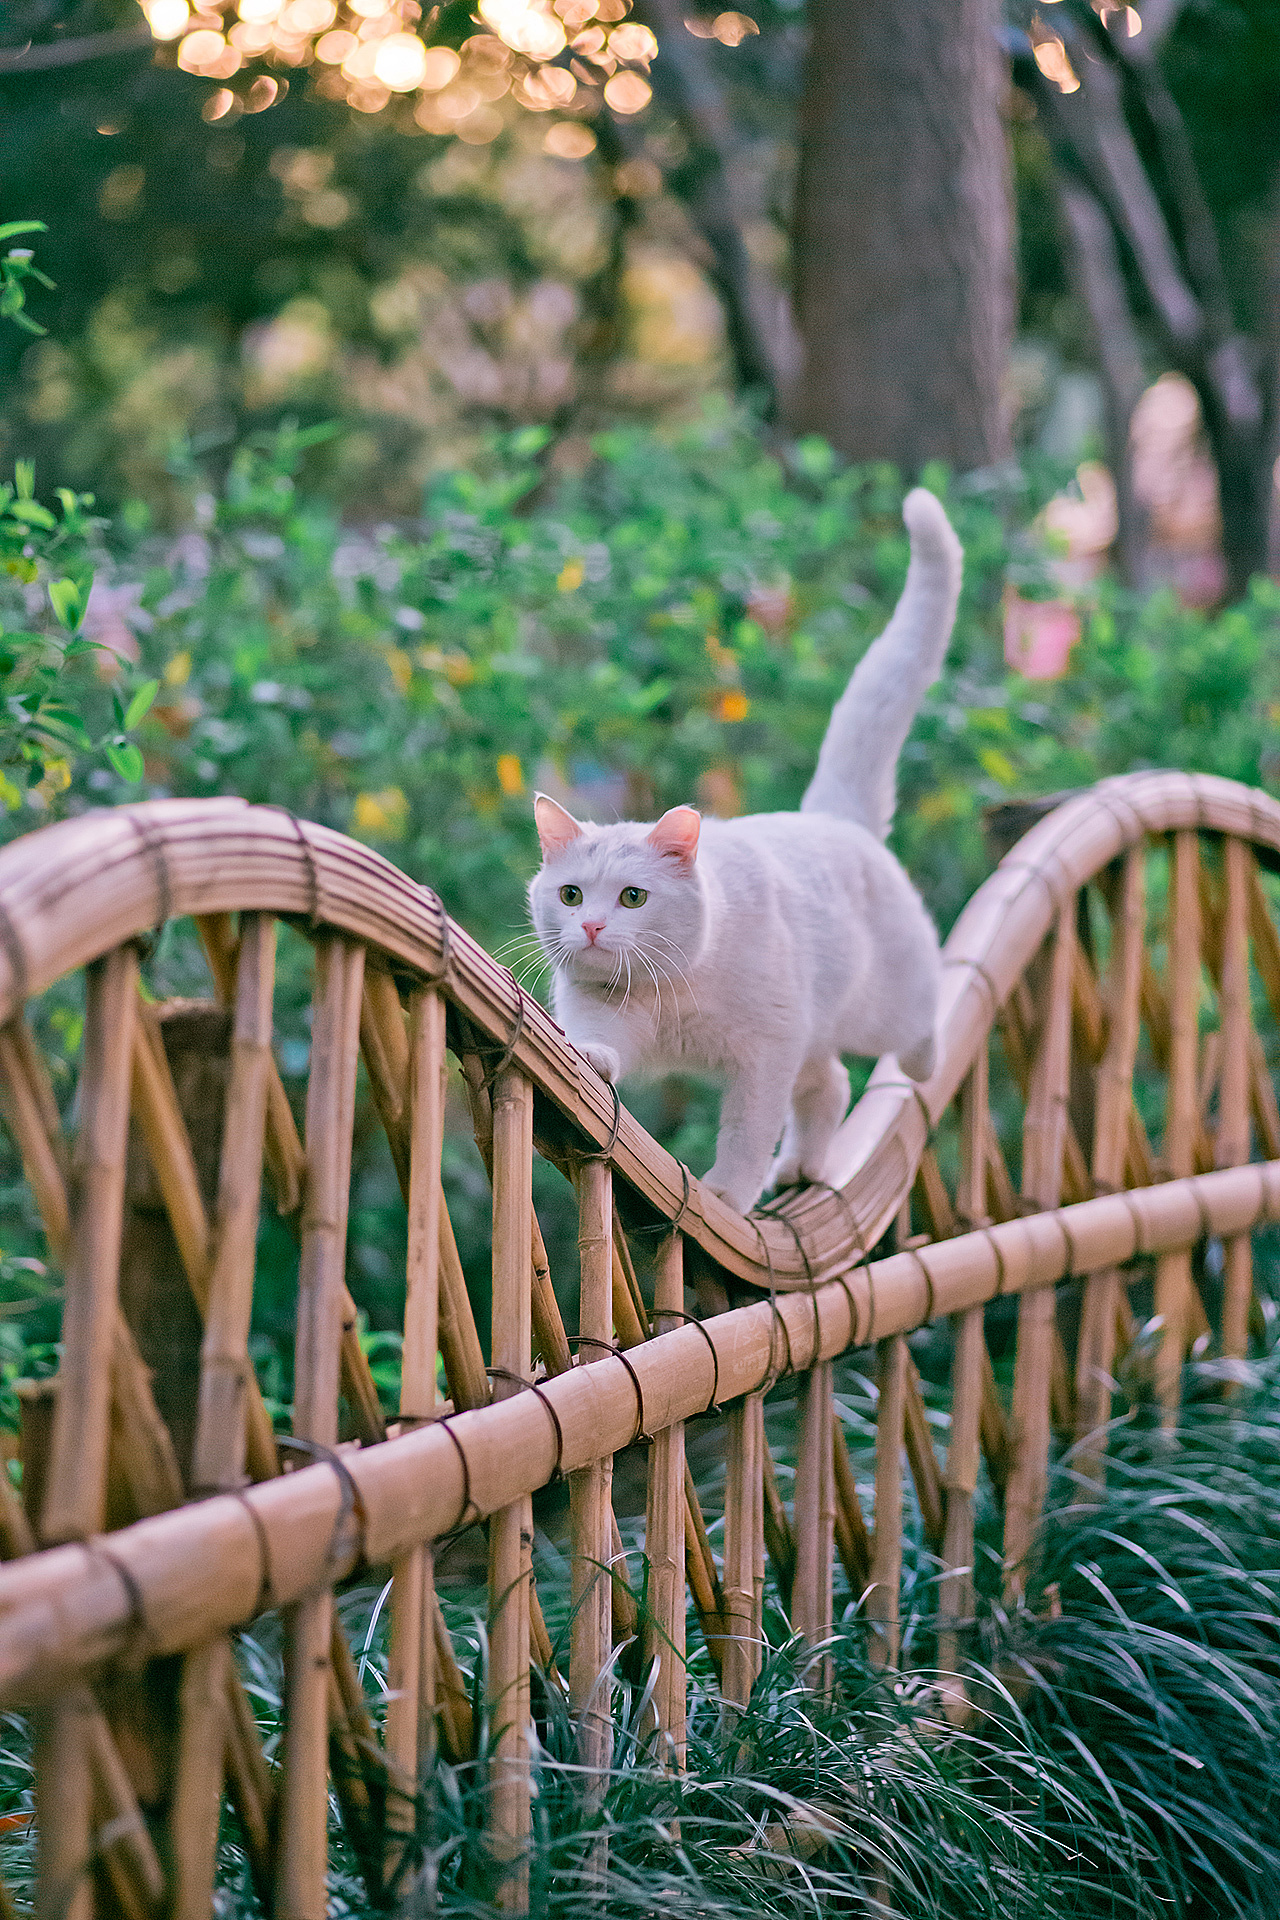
[677,834]
[557,829]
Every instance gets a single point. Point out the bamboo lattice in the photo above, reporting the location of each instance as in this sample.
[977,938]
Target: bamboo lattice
[1128,937]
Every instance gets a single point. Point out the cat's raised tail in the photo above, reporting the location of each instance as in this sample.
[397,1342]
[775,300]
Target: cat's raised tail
[857,766]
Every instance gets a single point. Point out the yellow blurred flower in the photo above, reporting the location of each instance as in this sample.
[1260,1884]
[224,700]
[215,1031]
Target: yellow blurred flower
[178,671]
[733,706]
[998,766]
[384,814]
[510,773]
[401,667]
[571,576]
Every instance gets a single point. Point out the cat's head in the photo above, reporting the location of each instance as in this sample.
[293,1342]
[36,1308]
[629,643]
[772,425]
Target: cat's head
[608,896]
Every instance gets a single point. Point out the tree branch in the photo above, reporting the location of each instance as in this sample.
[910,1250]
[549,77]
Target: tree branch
[72,53]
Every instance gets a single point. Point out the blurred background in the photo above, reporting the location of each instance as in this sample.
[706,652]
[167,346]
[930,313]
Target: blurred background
[406,407]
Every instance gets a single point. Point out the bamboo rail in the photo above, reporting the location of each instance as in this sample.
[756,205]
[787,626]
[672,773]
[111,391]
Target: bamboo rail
[397,985]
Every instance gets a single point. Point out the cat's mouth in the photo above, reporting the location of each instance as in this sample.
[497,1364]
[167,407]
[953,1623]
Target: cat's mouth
[594,962]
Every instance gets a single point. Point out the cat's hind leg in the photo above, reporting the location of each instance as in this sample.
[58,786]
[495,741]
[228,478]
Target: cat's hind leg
[819,1103]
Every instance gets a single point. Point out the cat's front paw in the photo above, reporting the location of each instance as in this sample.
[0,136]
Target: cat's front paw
[607,1062]
[740,1194]
[794,1170]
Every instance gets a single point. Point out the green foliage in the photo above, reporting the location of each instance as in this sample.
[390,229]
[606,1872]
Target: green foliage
[47,563]
[16,268]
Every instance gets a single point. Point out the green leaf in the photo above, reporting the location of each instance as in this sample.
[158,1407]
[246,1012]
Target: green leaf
[140,702]
[126,760]
[31,513]
[24,476]
[64,598]
[12,228]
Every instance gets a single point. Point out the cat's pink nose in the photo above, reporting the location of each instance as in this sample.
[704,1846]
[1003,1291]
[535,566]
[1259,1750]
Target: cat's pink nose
[591,928]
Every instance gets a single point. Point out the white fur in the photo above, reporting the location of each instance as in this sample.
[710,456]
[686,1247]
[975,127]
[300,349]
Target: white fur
[767,946]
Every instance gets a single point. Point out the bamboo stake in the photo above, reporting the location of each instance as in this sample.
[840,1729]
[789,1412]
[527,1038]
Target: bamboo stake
[742,1513]
[511,1529]
[203,1739]
[303,1842]
[64,1807]
[815,1514]
[1044,1140]
[1174,1284]
[778,1539]
[590,1510]
[226,1371]
[25,1121]
[286,1164]
[664,1534]
[76,1489]
[704,1581]
[882,1600]
[410,1721]
[129,1867]
[853,1542]
[1234,1140]
[969,1353]
[923,1460]
[1095,1350]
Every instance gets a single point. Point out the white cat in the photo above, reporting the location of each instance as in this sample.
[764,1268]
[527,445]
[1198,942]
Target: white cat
[763,948]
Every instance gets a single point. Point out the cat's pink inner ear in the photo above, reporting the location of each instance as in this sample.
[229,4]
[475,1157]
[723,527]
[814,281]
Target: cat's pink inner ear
[557,829]
[677,834]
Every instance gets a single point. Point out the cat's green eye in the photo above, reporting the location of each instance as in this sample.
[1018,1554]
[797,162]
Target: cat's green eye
[572,896]
[633,896]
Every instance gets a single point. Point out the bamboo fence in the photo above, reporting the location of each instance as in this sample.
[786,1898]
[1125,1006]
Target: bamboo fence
[1128,932]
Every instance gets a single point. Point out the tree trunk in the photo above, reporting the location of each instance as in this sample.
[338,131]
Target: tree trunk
[903,239]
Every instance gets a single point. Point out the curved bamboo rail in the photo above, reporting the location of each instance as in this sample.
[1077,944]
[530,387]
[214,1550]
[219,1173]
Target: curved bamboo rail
[1057,953]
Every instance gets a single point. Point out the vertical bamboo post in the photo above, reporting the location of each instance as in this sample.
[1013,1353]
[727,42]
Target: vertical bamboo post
[1044,1142]
[664,1534]
[76,1486]
[74,1496]
[226,1371]
[1095,1349]
[883,1598]
[302,1849]
[1174,1280]
[591,1509]
[743,1514]
[410,1722]
[1234,1141]
[511,1530]
[955,1589]
[814,1513]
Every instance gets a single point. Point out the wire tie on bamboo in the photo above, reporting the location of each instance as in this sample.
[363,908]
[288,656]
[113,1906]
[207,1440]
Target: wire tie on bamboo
[811,1286]
[153,846]
[664,1225]
[265,1598]
[994,1244]
[446,938]
[1140,1248]
[913,1253]
[1036,873]
[1206,1224]
[1069,1271]
[309,857]
[351,1507]
[605,1153]
[137,1628]
[612,1348]
[692,1320]
[910,1086]
[976,966]
[16,955]
[771,1377]
[462,1523]
[508,1053]
[1125,826]
[533,1386]
[846,1205]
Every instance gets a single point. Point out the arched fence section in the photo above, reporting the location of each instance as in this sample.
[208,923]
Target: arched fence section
[1103,1119]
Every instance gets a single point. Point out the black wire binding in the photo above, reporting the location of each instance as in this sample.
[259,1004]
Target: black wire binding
[615,1352]
[313,871]
[913,1253]
[976,966]
[505,1057]
[153,845]
[1001,1270]
[461,1524]
[351,1507]
[446,939]
[673,1225]
[1071,1273]
[606,1151]
[692,1320]
[557,1472]
[772,1375]
[137,1628]
[265,1599]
